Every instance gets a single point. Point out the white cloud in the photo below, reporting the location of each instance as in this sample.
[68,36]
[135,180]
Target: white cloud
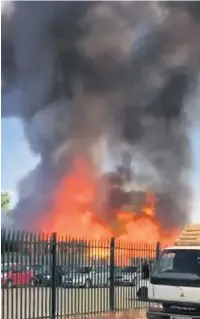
[195,212]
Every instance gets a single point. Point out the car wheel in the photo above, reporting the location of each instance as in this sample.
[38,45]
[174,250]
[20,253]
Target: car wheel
[8,284]
[88,283]
[32,282]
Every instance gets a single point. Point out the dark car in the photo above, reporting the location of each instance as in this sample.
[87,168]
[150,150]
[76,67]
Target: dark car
[61,271]
[42,275]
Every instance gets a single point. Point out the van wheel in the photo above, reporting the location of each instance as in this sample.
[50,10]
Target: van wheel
[9,284]
[32,283]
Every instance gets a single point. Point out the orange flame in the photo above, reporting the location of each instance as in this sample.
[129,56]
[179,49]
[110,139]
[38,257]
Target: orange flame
[73,213]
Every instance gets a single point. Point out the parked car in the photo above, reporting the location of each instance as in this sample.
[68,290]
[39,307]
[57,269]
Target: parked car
[79,277]
[98,277]
[13,274]
[129,275]
[86,277]
[42,275]
[118,277]
[125,276]
[60,271]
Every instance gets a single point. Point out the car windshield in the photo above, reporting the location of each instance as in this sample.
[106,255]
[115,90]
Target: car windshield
[39,268]
[6,267]
[100,269]
[84,270]
[178,262]
[130,269]
[64,268]
[117,269]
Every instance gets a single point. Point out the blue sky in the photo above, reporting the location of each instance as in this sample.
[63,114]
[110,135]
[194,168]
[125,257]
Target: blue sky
[17,158]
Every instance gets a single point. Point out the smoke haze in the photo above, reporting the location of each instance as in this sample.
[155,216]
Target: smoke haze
[83,72]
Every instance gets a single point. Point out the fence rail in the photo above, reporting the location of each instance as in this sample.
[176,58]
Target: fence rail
[47,276]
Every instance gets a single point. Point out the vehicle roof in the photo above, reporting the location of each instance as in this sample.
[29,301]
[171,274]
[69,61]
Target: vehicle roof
[183,247]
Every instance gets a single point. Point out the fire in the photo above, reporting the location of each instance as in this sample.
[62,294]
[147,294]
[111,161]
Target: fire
[77,211]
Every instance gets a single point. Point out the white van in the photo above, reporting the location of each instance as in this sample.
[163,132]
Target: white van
[174,286]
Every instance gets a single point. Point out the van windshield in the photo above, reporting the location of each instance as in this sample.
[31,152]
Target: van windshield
[177,264]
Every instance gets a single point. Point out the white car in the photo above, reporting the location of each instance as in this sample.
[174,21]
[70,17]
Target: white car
[86,277]
[129,275]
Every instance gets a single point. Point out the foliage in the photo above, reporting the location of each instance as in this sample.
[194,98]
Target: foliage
[5,200]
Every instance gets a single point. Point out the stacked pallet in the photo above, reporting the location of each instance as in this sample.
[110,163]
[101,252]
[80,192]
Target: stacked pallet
[190,236]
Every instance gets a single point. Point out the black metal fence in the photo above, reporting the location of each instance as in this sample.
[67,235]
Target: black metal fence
[46,276]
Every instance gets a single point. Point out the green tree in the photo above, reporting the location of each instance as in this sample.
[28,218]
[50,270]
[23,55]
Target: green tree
[5,201]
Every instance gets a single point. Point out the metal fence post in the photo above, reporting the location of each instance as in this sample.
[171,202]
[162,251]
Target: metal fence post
[53,269]
[157,250]
[112,274]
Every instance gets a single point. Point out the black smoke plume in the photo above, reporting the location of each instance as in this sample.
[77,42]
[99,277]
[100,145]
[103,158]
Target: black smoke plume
[78,73]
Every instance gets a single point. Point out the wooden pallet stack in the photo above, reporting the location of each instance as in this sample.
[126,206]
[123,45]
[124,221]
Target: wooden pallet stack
[190,236]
